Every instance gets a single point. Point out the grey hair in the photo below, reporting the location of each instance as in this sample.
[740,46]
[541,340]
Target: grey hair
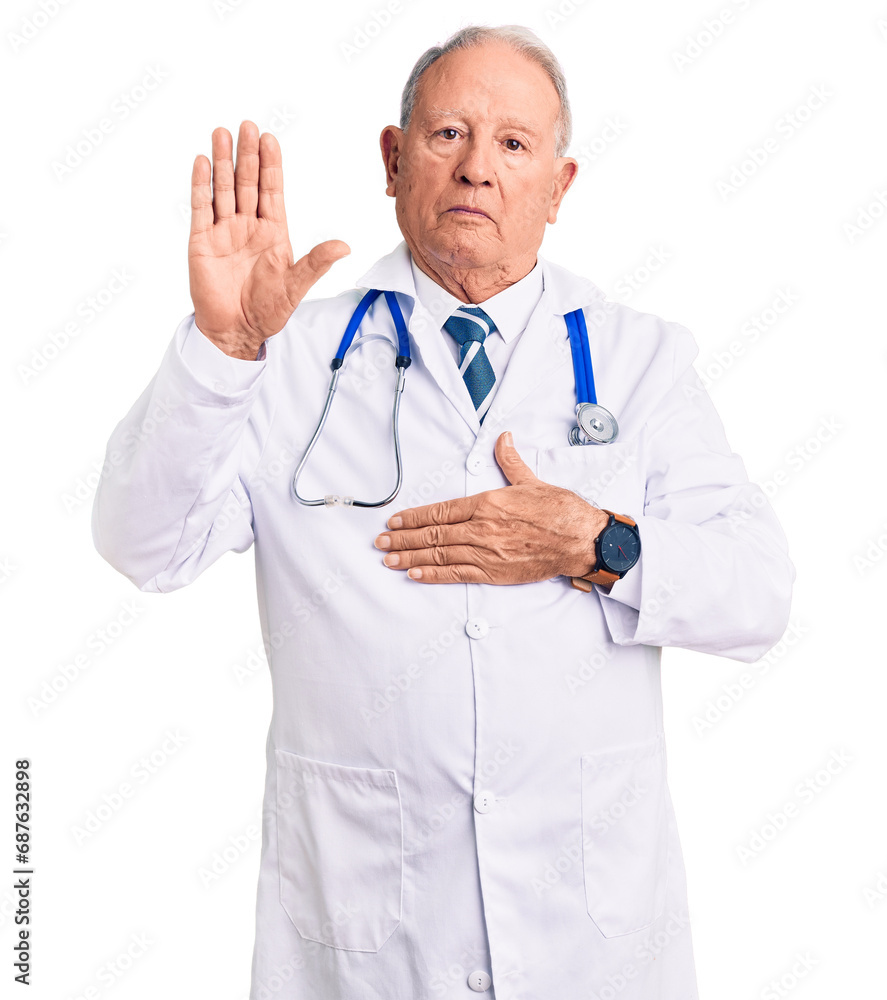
[522,40]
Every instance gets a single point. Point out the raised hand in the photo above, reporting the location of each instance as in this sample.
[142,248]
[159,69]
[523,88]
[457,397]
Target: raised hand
[244,284]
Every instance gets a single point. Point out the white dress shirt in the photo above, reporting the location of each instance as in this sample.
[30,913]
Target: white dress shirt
[509,309]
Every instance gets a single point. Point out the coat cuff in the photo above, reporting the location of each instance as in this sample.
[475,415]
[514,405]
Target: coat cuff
[213,367]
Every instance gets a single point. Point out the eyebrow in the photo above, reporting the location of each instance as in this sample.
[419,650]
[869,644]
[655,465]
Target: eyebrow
[435,114]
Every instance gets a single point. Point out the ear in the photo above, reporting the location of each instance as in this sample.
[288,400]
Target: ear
[391,143]
[565,170]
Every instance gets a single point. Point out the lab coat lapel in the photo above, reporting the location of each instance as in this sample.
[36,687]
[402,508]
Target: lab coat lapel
[440,364]
[540,350]
[393,273]
[544,346]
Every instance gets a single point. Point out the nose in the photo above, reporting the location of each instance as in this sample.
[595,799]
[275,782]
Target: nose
[476,165]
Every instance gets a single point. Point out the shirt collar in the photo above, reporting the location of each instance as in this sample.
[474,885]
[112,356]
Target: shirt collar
[565,290]
[510,309]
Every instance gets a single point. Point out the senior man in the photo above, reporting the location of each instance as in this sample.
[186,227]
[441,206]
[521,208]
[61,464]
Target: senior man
[466,784]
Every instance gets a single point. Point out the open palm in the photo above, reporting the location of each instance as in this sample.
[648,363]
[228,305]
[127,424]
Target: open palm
[244,284]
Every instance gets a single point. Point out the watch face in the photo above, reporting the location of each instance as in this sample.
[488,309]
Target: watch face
[620,548]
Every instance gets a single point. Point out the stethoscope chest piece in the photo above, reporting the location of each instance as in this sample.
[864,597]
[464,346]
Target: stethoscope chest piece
[595,425]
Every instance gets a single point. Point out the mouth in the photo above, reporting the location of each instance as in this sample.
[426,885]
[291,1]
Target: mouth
[467,211]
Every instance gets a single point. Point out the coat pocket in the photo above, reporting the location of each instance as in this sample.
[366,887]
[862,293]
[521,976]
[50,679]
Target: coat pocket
[607,475]
[625,836]
[340,851]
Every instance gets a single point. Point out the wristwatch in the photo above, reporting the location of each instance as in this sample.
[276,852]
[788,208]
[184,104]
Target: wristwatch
[617,548]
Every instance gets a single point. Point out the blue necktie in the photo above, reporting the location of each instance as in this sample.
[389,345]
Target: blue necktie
[469,326]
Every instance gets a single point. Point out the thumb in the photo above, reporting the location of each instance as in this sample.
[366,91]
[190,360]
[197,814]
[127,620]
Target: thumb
[516,470]
[312,267]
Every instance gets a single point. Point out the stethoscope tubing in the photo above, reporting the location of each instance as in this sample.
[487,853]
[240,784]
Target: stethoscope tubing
[582,368]
[401,363]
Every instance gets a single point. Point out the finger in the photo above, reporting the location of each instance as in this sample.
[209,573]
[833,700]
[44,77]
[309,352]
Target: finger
[223,175]
[246,170]
[270,179]
[443,555]
[443,512]
[427,538]
[515,468]
[313,266]
[451,574]
[201,196]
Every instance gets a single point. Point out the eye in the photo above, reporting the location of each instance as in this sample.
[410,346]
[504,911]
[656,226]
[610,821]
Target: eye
[448,133]
[516,145]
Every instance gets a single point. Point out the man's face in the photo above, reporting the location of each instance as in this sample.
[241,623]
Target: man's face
[474,176]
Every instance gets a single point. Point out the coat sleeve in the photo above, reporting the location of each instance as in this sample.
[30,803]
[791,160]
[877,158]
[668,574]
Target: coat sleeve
[171,498]
[714,574]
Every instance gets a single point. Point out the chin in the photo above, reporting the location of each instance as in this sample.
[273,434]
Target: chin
[465,249]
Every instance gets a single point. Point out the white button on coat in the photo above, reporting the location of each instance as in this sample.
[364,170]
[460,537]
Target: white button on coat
[376,875]
[479,981]
[484,801]
[477,628]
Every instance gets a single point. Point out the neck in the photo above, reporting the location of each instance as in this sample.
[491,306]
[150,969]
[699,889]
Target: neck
[474,284]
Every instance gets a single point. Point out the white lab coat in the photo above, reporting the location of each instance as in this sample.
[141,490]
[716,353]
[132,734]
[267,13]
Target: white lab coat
[465,782]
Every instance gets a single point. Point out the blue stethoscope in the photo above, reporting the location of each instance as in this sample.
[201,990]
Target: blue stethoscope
[594,423]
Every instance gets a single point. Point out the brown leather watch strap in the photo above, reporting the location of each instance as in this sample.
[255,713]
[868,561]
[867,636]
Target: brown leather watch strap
[602,577]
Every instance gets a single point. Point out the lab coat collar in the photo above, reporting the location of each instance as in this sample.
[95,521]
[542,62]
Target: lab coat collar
[541,349]
[393,273]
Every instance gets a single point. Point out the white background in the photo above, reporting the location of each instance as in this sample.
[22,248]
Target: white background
[800,404]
